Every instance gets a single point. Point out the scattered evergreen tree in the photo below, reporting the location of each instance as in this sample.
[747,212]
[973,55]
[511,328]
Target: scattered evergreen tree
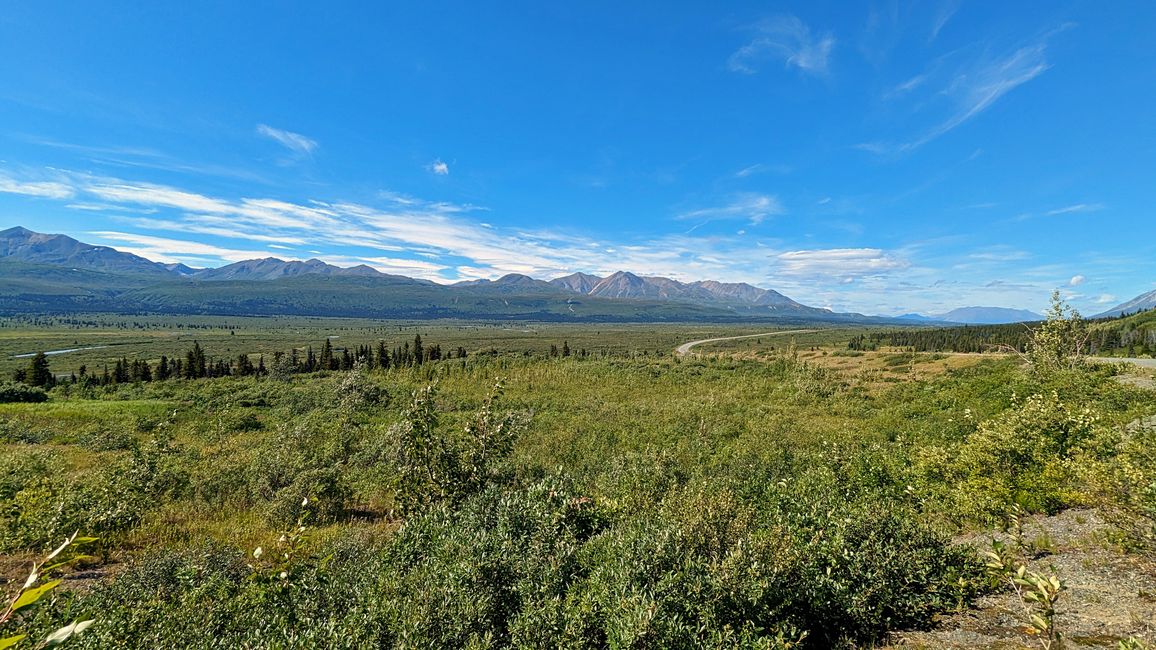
[38,373]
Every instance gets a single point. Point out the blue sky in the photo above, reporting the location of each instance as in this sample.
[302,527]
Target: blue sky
[882,158]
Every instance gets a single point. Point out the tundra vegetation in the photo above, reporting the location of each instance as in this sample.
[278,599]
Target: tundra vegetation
[600,498]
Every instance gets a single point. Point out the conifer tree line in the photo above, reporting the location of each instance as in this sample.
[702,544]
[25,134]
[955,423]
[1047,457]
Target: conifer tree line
[969,338]
[1131,338]
[196,364]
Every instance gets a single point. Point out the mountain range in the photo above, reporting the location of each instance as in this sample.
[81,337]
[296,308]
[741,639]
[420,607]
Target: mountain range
[56,273]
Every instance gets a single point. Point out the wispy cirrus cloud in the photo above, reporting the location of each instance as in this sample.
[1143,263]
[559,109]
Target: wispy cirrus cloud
[44,189]
[942,17]
[753,207]
[1078,207]
[788,39]
[296,143]
[957,94]
[439,168]
[163,249]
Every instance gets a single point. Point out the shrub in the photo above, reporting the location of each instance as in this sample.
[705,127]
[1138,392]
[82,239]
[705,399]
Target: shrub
[1021,457]
[434,465]
[111,500]
[1123,485]
[11,391]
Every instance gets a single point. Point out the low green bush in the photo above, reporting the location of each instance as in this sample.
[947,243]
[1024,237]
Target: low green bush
[545,566]
[1020,457]
[11,391]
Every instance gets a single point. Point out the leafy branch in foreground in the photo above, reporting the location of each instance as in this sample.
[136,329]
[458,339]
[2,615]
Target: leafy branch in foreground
[33,590]
[1037,594]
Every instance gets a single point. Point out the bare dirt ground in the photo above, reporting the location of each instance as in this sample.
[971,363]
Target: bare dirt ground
[1110,595]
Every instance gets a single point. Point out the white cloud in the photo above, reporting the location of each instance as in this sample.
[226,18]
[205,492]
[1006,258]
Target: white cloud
[1105,298]
[440,168]
[753,207]
[789,39]
[191,225]
[999,254]
[165,250]
[294,142]
[908,86]
[839,263]
[43,189]
[1076,281]
[415,268]
[1079,207]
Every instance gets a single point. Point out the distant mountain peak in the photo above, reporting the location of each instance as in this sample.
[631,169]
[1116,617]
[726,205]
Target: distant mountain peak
[24,245]
[272,268]
[1142,302]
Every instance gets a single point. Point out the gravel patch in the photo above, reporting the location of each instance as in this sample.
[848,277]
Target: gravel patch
[1110,596]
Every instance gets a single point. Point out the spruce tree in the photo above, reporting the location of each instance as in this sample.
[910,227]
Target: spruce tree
[38,373]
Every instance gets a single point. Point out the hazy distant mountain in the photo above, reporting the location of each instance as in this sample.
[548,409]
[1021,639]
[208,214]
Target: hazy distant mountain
[988,315]
[1142,302]
[23,245]
[918,317]
[624,284]
[742,293]
[272,268]
[181,269]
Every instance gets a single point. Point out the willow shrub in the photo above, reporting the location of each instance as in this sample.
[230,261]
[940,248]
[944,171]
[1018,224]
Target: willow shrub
[544,565]
[1022,456]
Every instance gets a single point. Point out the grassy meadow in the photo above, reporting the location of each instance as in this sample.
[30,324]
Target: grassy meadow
[774,492]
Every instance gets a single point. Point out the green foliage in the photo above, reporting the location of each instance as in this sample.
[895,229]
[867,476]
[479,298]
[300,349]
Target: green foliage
[11,391]
[965,338]
[1037,594]
[1123,487]
[434,465]
[1061,342]
[545,566]
[1022,456]
[37,373]
[112,500]
[649,503]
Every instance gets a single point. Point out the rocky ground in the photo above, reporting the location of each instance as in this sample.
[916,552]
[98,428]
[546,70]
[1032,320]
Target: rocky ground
[1109,596]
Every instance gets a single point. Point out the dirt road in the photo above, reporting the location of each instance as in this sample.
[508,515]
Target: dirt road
[1143,363]
[683,349]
